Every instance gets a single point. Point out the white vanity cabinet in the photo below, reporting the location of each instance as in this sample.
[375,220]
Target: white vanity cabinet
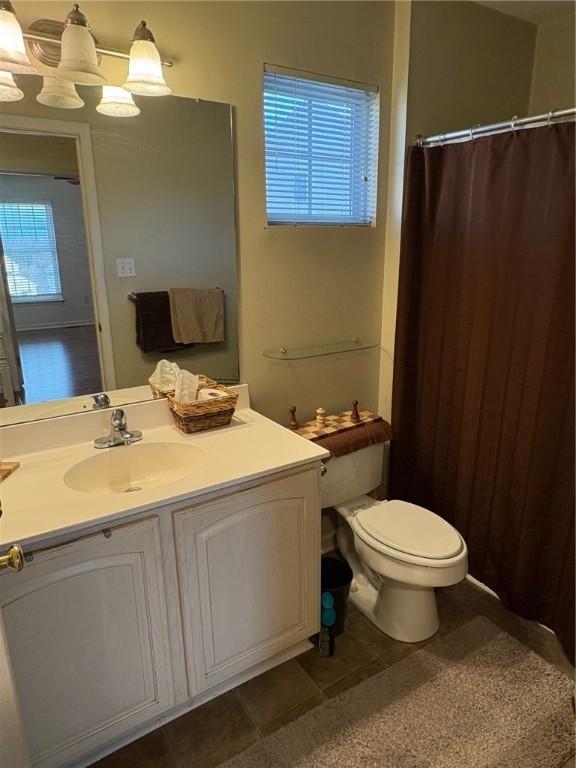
[113,632]
[86,631]
[249,570]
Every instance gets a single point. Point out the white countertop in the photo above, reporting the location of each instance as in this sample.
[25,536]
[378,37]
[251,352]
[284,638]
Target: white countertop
[37,504]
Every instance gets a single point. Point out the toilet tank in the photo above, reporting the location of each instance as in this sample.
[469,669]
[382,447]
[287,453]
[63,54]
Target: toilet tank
[352,475]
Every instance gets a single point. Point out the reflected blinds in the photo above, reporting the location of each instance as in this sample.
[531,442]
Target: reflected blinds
[30,256]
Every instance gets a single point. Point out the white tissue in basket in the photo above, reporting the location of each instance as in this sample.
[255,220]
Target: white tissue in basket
[186,387]
[164,376]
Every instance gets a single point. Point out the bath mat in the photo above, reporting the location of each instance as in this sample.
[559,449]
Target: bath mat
[475,698]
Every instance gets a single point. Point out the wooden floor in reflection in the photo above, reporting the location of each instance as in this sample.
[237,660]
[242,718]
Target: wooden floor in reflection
[59,362]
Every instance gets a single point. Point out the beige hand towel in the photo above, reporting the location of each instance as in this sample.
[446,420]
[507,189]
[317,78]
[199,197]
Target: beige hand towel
[197,315]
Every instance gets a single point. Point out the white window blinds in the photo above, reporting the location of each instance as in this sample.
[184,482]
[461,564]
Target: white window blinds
[321,142]
[30,256]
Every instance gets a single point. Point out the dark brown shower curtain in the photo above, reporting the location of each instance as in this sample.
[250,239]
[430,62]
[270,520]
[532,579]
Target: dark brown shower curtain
[483,403]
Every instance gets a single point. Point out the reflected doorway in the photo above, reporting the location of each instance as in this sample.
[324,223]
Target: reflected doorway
[48,311]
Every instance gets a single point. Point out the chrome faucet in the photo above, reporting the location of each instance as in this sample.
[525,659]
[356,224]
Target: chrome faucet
[119,433]
[101,400]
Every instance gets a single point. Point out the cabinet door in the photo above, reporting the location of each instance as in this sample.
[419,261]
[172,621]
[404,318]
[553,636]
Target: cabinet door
[86,632]
[249,572]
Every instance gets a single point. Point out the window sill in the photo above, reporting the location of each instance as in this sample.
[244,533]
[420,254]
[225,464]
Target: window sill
[323,224]
[25,300]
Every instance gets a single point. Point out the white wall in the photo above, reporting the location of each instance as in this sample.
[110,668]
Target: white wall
[66,199]
[298,286]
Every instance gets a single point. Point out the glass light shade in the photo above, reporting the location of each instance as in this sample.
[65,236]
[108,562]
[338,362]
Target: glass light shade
[117,102]
[9,91]
[79,61]
[13,56]
[59,93]
[145,76]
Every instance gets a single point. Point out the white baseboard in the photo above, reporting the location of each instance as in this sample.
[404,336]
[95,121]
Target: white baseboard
[44,326]
[491,592]
[482,586]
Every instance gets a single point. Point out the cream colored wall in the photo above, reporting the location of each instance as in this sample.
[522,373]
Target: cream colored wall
[395,180]
[468,64]
[26,153]
[554,66]
[298,286]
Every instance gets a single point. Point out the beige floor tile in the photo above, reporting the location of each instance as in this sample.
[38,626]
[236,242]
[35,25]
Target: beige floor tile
[529,633]
[151,751]
[350,655]
[293,714]
[273,694]
[212,733]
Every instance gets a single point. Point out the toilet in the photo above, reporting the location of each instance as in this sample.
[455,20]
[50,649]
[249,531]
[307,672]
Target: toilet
[399,552]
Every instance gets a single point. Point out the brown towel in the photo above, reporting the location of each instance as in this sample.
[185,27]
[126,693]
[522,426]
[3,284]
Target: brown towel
[352,440]
[153,323]
[197,314]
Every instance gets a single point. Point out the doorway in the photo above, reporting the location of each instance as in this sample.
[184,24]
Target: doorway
[46,270]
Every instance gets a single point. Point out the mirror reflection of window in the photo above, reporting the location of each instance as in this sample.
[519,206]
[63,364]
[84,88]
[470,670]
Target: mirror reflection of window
[30,253]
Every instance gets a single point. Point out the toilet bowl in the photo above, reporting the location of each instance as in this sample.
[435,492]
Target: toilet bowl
[399,552]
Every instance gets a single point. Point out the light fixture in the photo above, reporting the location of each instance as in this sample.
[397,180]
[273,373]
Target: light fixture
[79,61]
[145,76]
[117,102]
[60,94]
[13,56]
[9,91]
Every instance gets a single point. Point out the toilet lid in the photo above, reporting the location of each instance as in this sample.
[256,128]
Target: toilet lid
[411,529]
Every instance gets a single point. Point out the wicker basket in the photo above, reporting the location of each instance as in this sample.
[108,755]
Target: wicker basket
[158,393]
[204,414]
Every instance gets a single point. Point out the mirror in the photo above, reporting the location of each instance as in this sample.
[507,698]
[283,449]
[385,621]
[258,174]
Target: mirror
[95,212]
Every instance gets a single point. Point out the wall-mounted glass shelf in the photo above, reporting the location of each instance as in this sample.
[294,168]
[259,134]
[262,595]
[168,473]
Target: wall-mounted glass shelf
[335,348]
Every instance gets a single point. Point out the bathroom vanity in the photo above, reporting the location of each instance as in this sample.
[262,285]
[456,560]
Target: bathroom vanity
[157,575]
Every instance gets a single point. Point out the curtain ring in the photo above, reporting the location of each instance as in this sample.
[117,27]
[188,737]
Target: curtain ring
[472,134]
[549,120]
[513,123]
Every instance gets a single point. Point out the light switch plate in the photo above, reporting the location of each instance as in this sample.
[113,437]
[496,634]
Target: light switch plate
[125,267]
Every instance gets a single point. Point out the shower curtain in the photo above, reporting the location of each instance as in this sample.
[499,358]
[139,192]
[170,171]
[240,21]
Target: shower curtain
[483,395]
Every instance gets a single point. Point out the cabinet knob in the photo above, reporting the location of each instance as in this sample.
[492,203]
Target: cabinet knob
[323,469]
[13,559]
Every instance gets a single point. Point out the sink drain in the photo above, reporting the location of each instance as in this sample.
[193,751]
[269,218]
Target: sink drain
[132,488]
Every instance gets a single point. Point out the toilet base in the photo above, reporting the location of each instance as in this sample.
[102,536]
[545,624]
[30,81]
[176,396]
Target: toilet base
[405,613]
[402,611]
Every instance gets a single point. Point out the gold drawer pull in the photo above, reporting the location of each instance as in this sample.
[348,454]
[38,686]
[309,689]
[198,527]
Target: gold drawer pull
[14,559]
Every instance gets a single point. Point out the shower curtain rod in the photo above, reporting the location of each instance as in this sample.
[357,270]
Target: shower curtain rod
[557,115]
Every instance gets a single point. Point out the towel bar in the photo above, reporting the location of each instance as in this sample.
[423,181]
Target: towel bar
[132,296]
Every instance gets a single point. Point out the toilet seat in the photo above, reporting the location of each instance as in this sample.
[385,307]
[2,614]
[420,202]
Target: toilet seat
[408,533]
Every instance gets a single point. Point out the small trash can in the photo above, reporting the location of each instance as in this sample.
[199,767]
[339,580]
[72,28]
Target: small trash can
[336,577]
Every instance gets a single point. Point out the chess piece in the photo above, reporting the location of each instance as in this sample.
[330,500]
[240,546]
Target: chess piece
[355,415]
[320,417]
[293,422]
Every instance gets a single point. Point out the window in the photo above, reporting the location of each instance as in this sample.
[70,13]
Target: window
[321,143]
[30,256]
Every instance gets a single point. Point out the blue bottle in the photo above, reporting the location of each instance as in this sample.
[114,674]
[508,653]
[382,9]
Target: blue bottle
[327,622]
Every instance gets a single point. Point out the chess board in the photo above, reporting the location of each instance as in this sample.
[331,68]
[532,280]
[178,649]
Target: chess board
[335,424]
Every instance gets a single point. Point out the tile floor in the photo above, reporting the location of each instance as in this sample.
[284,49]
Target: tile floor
[209,735]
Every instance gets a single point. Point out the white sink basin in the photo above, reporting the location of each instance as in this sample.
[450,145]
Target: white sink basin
[132,468]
